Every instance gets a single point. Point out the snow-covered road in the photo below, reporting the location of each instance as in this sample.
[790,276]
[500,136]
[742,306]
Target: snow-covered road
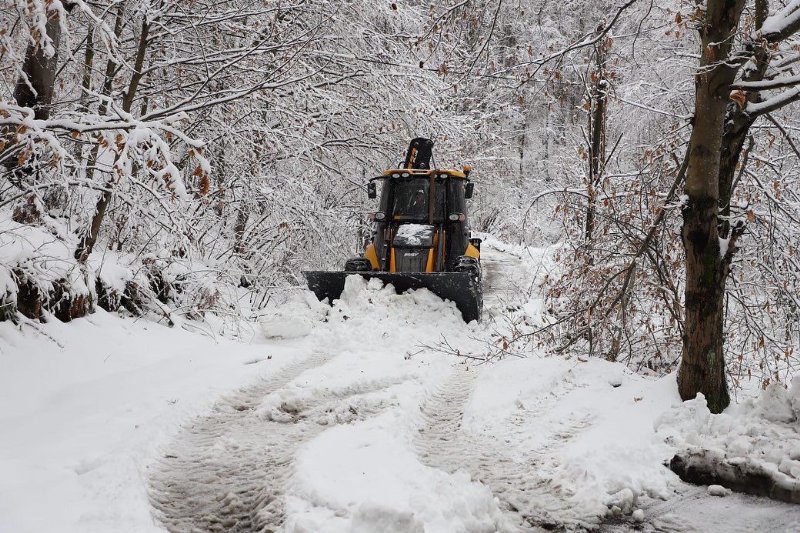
[300,450]
[378,414]
[231,469]
[383,429]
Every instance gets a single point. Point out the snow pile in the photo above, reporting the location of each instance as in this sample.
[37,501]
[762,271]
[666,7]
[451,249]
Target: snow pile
[293,317]
[369,301]
[41,255]
[112,272]
[585,425]
[362,474]
[759,436]
[365,478]
[365,305]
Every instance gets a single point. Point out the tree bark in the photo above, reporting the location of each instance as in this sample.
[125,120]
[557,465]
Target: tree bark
[89,239]
[34,88]
[597,134]
[702,366]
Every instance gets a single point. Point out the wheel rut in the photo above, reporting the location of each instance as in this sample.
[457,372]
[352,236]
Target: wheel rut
[529,499]
[227,470]
[224,470]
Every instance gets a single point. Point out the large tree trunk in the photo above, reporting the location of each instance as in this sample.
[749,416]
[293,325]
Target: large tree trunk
[34,88]
[703,364]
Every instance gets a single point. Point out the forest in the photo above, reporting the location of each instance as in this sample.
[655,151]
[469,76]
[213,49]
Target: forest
[183,161]
[169,157]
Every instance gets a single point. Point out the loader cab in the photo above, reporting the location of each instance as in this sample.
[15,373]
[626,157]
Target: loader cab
[415,204]
[421,236]
[431,197]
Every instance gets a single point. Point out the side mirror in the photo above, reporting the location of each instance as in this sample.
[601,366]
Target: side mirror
[468,190]
[372,190]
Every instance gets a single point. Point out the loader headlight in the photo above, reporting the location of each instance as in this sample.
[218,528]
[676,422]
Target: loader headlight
[379,216]
[456,217]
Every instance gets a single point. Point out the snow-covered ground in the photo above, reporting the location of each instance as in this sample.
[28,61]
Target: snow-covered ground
[379,414]
[85,406]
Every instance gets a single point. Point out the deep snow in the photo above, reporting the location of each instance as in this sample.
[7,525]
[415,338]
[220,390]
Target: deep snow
[357,417]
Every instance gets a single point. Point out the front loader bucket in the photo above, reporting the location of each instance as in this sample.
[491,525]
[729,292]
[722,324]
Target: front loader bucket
[459,287]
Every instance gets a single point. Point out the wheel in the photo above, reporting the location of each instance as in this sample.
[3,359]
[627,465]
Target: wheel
[357,264]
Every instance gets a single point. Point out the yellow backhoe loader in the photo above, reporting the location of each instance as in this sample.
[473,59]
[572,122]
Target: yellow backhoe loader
[421,237]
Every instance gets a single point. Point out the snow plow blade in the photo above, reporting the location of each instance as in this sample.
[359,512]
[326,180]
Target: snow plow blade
[462,288]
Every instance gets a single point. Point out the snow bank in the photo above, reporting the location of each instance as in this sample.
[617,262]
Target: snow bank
[758,436]
[42,254]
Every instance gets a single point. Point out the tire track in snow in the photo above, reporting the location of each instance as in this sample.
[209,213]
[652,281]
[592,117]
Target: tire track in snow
[530,500]
[222,471]
[226,471]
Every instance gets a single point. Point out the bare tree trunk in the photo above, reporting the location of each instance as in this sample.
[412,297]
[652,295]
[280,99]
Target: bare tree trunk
[239,228]
[88,65]
[34,89]
[597,134]
[703,365]
[86,85]
[89,239]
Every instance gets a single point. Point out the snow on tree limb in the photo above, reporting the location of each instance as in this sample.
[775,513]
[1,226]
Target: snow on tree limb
[773,103]
[783,23]
[763,85]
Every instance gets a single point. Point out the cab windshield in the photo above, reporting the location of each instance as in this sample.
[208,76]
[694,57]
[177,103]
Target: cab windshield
[411,199]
